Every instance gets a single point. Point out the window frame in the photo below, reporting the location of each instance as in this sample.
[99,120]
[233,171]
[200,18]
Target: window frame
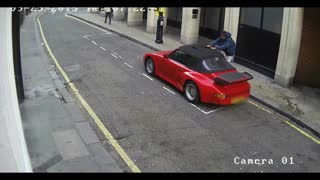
[177,61]
[262,20]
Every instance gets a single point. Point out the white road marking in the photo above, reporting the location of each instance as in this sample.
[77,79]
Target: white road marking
[86,37]
[120,57]
[198,108]
[169,90]
[205,111]
[128,65]
[213,110]
[94,42]
[114,55]
[147,76]
[102,48]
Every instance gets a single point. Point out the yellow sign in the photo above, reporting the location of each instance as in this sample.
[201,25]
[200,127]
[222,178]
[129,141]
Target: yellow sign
[163,10]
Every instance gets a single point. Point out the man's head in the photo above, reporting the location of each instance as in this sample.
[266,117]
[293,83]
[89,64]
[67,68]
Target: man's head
[223,35]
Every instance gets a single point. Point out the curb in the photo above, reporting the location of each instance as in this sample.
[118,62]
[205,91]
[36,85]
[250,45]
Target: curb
[282,113]
[290,117]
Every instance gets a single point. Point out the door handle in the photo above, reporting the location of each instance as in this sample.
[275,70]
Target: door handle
[180,70]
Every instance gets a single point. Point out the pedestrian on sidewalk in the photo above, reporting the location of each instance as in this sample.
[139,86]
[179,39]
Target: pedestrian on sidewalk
[226,44]
[108,11]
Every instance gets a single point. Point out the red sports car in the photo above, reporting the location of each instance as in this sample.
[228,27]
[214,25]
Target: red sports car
[201,73]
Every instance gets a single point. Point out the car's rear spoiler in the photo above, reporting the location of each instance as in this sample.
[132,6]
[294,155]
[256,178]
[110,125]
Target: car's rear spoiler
[232,77]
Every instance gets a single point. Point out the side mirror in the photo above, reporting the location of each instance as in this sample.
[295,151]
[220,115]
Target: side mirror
[165,56]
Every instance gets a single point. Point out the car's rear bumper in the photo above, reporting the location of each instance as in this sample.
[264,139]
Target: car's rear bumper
[230,99]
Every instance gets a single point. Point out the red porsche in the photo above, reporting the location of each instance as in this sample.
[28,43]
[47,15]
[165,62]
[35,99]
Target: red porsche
[201,73]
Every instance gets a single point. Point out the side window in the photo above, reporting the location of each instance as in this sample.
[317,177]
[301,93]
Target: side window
[179,56]
[175,55]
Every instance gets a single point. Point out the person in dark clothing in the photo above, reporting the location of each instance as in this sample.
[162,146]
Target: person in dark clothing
[108,11]
[226,44]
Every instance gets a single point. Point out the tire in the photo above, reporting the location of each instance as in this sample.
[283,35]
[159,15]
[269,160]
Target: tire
[150,67]
[191,92]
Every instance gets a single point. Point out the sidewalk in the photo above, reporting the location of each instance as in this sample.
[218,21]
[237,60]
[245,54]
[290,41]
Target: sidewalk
[58,134]
[298,103]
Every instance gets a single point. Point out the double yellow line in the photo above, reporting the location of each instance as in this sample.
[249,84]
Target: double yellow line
[87,107]
[289,123]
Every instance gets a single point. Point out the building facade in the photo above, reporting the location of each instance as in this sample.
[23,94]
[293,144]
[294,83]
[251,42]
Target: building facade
[13,149]
[280,43]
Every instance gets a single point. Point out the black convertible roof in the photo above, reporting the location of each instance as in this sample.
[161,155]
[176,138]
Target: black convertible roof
[200,52]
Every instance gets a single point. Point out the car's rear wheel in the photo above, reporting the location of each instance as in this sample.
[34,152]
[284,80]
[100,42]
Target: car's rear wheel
[191,92]
[150,66]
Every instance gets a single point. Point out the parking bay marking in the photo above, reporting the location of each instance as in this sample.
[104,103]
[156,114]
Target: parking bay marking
[86,37]
[208,112]
[88,108]
[94,42]
[114,55]
[128,65]
[169,90]
[147,76]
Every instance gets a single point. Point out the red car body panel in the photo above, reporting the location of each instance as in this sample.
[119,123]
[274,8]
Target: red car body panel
[177,75]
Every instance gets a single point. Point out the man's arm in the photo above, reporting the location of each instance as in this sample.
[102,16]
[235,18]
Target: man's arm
[225,46]
[214,42]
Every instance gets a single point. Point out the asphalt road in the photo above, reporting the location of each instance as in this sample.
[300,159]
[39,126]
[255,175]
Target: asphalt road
[159,129]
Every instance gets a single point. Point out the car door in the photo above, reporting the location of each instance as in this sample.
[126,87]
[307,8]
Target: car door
[176,65]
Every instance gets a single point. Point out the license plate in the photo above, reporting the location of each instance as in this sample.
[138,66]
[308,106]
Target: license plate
[237,100]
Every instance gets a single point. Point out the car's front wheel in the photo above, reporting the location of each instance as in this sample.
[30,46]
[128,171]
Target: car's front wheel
[191,92]
[150,66]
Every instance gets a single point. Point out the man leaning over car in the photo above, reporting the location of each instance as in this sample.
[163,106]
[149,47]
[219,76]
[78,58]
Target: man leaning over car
[226,44]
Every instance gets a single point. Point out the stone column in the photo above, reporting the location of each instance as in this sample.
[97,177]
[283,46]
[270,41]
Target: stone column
[118,13]
[102,12]
[135,16]
[151,20]
[231,21]
[289,46]
[190,26]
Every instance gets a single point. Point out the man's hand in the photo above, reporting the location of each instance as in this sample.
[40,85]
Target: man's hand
[211,47]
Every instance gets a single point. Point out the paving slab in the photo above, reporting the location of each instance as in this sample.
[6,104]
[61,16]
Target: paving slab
[69,144]
[86,133]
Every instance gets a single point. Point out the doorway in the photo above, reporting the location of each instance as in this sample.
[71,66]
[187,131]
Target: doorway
[211,22]
[258,39]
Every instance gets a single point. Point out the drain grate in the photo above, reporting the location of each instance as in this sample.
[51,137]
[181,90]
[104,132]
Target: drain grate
[60,96]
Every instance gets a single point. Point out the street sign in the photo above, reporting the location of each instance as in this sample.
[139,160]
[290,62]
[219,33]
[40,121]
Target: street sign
[163,10]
